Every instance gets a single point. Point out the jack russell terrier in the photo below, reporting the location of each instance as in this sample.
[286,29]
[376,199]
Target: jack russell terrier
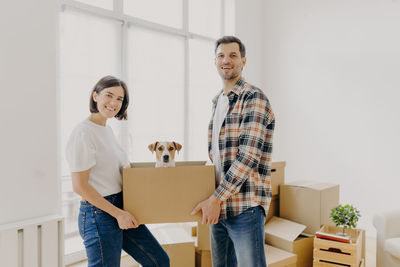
[165,153]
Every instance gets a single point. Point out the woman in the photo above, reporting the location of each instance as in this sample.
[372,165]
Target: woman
[96,161]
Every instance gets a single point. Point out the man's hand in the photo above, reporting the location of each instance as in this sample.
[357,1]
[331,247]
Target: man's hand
[210,208]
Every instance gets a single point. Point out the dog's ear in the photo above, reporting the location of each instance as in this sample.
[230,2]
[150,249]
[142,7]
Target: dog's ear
[152,147]
[177,146]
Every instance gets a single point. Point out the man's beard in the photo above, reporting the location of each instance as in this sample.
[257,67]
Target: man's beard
[230,76]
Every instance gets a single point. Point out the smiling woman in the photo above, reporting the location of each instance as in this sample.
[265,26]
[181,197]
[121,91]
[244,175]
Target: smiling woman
[109,98]
[96,160]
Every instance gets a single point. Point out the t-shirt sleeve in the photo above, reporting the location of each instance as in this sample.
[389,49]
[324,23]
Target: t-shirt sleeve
[80,152]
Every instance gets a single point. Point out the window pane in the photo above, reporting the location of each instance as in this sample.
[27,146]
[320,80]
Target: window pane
[106,4]
[156,88]
[88,50]
[159,11]
[229,17]
[204,85]
[205,17]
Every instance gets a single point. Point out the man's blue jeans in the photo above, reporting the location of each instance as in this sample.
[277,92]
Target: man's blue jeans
[239,240]
[104,239]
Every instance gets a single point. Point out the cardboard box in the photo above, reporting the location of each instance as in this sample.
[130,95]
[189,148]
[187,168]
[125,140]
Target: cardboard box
[178,244]
[203,236]
[273,208]
[277,176]
[308,203]
[203,258]
[279,258]
[165,195]
[288,236]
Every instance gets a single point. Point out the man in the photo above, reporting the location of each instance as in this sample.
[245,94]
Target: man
[240,146]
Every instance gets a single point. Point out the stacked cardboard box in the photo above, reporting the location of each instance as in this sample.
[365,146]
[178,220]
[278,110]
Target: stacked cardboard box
[277,179]
[279,258]
[303,207]
[289,236]
[178,244]
[308,203]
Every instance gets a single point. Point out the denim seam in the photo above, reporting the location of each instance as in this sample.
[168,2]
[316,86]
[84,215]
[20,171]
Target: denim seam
[256,237]
[83,225]
[98,237]
[144,250]
[226,252]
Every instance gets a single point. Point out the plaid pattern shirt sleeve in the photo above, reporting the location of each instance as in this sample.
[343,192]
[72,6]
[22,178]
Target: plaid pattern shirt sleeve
[246,142]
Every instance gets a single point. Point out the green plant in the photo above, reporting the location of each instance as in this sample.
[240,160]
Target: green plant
[345,216]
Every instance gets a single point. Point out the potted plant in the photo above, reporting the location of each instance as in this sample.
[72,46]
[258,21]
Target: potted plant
[345,216]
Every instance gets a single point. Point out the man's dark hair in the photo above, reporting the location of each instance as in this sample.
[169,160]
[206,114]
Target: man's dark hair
[107,82]
[231,39]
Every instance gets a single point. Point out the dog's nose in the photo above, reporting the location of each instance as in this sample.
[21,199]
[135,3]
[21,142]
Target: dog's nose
[166,158]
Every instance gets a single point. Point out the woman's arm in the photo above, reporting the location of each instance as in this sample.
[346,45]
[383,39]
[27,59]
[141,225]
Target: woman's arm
[82,187]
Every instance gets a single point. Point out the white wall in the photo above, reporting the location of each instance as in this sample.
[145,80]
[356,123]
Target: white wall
[28,155]
[249,28]
[332,69]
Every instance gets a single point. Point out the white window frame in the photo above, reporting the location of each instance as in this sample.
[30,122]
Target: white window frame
[127,20]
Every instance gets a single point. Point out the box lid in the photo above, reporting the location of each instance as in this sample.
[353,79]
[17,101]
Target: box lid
[283,228]
[311,184]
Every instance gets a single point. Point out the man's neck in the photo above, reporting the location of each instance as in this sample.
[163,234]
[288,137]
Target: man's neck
[229,84]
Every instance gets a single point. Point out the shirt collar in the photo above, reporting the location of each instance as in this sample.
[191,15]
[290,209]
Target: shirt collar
[237,89]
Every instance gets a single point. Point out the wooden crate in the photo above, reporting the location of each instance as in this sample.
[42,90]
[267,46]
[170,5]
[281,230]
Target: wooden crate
[329,253]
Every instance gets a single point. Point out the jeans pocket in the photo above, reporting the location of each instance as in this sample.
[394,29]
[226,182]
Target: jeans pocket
[81,223]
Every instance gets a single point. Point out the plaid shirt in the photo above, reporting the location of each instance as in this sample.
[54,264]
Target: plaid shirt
[245,144]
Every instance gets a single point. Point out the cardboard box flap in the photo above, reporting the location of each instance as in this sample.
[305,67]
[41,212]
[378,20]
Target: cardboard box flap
[177,164]
[279,257]
[284,229]
[311,184]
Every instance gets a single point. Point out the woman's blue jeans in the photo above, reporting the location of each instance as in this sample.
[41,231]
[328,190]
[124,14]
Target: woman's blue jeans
[103,239]
[239,240]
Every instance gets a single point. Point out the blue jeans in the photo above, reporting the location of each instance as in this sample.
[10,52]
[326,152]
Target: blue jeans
[103,239]
[239,240]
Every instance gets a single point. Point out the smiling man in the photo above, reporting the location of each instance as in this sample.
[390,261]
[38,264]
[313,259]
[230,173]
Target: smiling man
[240,146]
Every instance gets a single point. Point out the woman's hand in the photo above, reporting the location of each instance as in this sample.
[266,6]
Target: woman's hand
[126,220]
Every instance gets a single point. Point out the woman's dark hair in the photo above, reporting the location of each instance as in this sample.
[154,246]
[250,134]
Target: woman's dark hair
[231,39]
[107,82]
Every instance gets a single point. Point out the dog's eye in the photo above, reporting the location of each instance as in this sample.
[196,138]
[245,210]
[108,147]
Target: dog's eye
[171,148]
[160,149]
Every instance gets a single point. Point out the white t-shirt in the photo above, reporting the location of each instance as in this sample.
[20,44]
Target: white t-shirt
[219,116]
[92,146]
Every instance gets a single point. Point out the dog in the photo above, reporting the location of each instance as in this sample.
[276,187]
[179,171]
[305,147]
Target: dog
[165,153]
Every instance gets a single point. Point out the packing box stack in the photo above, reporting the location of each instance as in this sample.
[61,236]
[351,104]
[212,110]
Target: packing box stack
[334,253]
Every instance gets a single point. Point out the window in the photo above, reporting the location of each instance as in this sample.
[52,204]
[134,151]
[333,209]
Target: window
[158,11]
[166,56]
[156,78]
